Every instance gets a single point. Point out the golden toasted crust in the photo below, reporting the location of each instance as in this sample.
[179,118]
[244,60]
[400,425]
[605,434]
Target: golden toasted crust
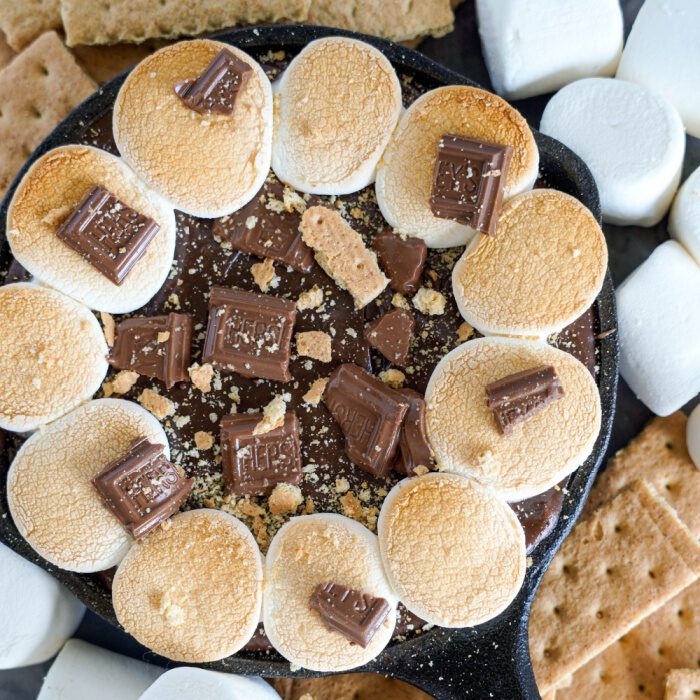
[540,272]
[192,592]
[49,192]
[206,165]
[454,553]
[405,173]
[542,450]
[52,355]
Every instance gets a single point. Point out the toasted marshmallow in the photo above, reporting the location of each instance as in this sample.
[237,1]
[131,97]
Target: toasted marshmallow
[630,137]
[37,614]
[541,271]
[53,355]
[454,552]
[82,670]
[50,191]
[405,174]
[192,592]
[307,551]
[684,222]
[52,500]
[692,435]
[337,105]
[206,165]
[187,683]
[662,52]
[542,450]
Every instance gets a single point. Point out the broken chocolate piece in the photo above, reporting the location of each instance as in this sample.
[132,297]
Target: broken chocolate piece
[391,334]
[468,181]
[216,89]
[369,414]
[267,232]
[356,615]
[249,333]
[518,396]
[142,488]
[414,448]
[111,236]
[255,464]
[156,346]
[401,259]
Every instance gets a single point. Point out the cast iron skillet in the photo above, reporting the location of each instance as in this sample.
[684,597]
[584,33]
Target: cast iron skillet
[490,660]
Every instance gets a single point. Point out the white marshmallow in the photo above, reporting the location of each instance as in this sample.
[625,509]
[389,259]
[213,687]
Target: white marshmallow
[536,47]
[684,222]
[659,326]
[663,53]
[692,435]
[630,137]
[188,683]
[83,671]
[37,614]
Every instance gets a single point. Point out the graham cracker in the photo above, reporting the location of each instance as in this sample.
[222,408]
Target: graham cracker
[635,666]
[39,88]
[617,567]
[659,455]
[6,52]
[349,686]
[400,20]
[114,21]
[102,63]
[683,684]
[23,21]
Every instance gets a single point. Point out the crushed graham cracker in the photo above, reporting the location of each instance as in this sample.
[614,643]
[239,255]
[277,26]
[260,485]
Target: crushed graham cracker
[264,275]
[393,377]
[201,376]
[310,298]
[109,327]
[464,332]
[203,440]
[429,301]
[160,406]
[314,344]
[400,302]
[273,415]
[315,393]
[285,498]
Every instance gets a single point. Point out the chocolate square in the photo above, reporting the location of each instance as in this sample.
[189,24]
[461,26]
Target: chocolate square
[137,347]
[142,488]
[250,333]
[356,615]
[391,334]
[111,236]
[414,448]
[468,181]
[216,89]
[370,415]
[255,464]
[402,260]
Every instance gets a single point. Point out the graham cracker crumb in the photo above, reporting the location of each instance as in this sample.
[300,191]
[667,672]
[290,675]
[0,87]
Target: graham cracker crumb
[201,376]
[163,336]
[429,301]
[203,440]
[400,302]
[110,328]
[393,377]
[122,382]
[310,298]
[420,470]
[293,201]
[464,332]
[273,415]
[264,275]
[314,344]
[160,406]
[315,393]
[342,485]
[285,498]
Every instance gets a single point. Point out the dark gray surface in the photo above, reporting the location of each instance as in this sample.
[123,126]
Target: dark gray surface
[628,246]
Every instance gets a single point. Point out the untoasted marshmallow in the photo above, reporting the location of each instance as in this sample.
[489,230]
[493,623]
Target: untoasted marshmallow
[307,551]
[659,325]
[52,500]
[405,173]
[541,271]
[536,47]
[662,52]
[52,355]
[205,164]
[337,105]
[49,193]
[692,435]
[192,592]
[630,137]
[187,683]
[454,553]
[539,452]
[684,222]
[84,671]
[37,614]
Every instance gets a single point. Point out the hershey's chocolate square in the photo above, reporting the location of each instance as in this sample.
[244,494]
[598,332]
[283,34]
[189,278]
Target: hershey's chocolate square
[356,615]
[250,333]
[142,488]
[111,236]
[255,464]
[216,89]
[156,346]
[414,448]
[370,415]
[402,260]
[468,181]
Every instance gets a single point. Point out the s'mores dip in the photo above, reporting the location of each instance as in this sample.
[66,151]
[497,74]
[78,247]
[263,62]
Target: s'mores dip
[302,350]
